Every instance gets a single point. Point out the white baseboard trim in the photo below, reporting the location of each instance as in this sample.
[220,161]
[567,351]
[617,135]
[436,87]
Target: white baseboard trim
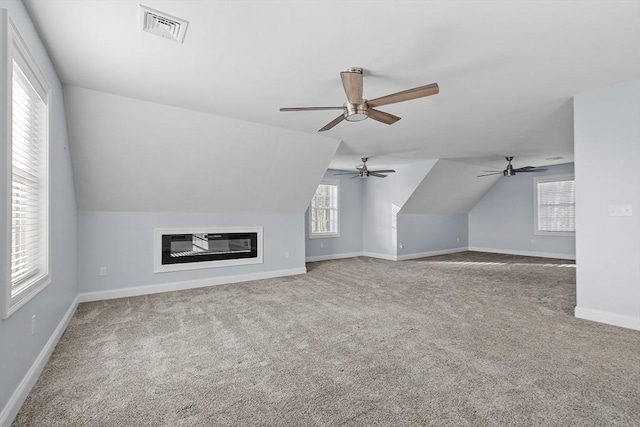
[607,317]
[333,256]
[386,256]
[179,286]
[430,253]
[18,397]
[524,253]
[381,256]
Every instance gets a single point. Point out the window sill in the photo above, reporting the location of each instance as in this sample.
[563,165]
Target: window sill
[555,233]
[324,236]
[25,296]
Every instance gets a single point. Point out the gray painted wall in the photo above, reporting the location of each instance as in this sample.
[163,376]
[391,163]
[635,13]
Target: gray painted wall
[124,241]
[420,233]
[350,203]
[503,219]
[18,348]
[371,223]
[607,151]
[378,234]
[383,197]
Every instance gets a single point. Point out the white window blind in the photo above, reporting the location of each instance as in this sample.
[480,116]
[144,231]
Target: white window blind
[556,211]
[27,161]
[28,121]
[324,214]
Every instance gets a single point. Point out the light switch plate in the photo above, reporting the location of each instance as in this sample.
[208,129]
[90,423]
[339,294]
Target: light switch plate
[620,210]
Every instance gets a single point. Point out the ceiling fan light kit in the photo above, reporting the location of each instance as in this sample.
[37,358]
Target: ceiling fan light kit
[510,171]
[355,113]
[357,108]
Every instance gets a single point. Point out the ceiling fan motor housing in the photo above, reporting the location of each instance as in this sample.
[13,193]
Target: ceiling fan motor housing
[509,170]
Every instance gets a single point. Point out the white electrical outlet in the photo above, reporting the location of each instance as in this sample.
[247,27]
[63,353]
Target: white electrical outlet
[33,324]
[457,239]
[103,271]
[400,245]
[286,255]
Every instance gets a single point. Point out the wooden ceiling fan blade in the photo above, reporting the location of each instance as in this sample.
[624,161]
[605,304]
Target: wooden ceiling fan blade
[310,108]
[529,170]
[487,174]
[352,83]
[332,123]
[347,173]
[378,175]
[381,116]
[406,95]
[383,171]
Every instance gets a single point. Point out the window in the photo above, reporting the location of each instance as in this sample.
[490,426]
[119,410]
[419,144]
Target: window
[27,109]
[324,213]
[555,204]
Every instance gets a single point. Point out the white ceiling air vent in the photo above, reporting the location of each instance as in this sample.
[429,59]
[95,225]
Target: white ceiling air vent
[162,24]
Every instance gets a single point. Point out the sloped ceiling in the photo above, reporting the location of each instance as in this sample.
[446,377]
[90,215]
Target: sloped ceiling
[507,69]
[133,155]
[450,187]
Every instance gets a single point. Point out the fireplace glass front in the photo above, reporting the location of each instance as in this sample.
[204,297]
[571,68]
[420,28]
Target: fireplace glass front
[204,247]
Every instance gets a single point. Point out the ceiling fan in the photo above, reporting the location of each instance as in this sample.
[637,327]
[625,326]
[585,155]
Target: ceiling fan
[510,171]
[364,172]
[357,108]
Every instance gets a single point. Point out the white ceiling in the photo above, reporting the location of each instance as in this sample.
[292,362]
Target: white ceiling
[507,69]
[138,156]
[450,188]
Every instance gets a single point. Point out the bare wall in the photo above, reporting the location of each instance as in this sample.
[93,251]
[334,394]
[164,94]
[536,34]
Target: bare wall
[19,349]
[350,205]
[123,242]
[607,151]
[503,220]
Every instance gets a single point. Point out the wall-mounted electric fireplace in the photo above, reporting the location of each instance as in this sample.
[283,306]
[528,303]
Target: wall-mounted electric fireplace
[186,249]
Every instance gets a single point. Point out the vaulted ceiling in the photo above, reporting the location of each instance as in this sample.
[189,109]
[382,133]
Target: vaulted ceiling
[506,70]
[138,156]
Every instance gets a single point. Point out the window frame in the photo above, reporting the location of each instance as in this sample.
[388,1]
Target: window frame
[14,47]
[313,235]
[542,180]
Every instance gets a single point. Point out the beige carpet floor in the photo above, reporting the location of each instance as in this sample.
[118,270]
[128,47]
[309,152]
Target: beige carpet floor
[468,339]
